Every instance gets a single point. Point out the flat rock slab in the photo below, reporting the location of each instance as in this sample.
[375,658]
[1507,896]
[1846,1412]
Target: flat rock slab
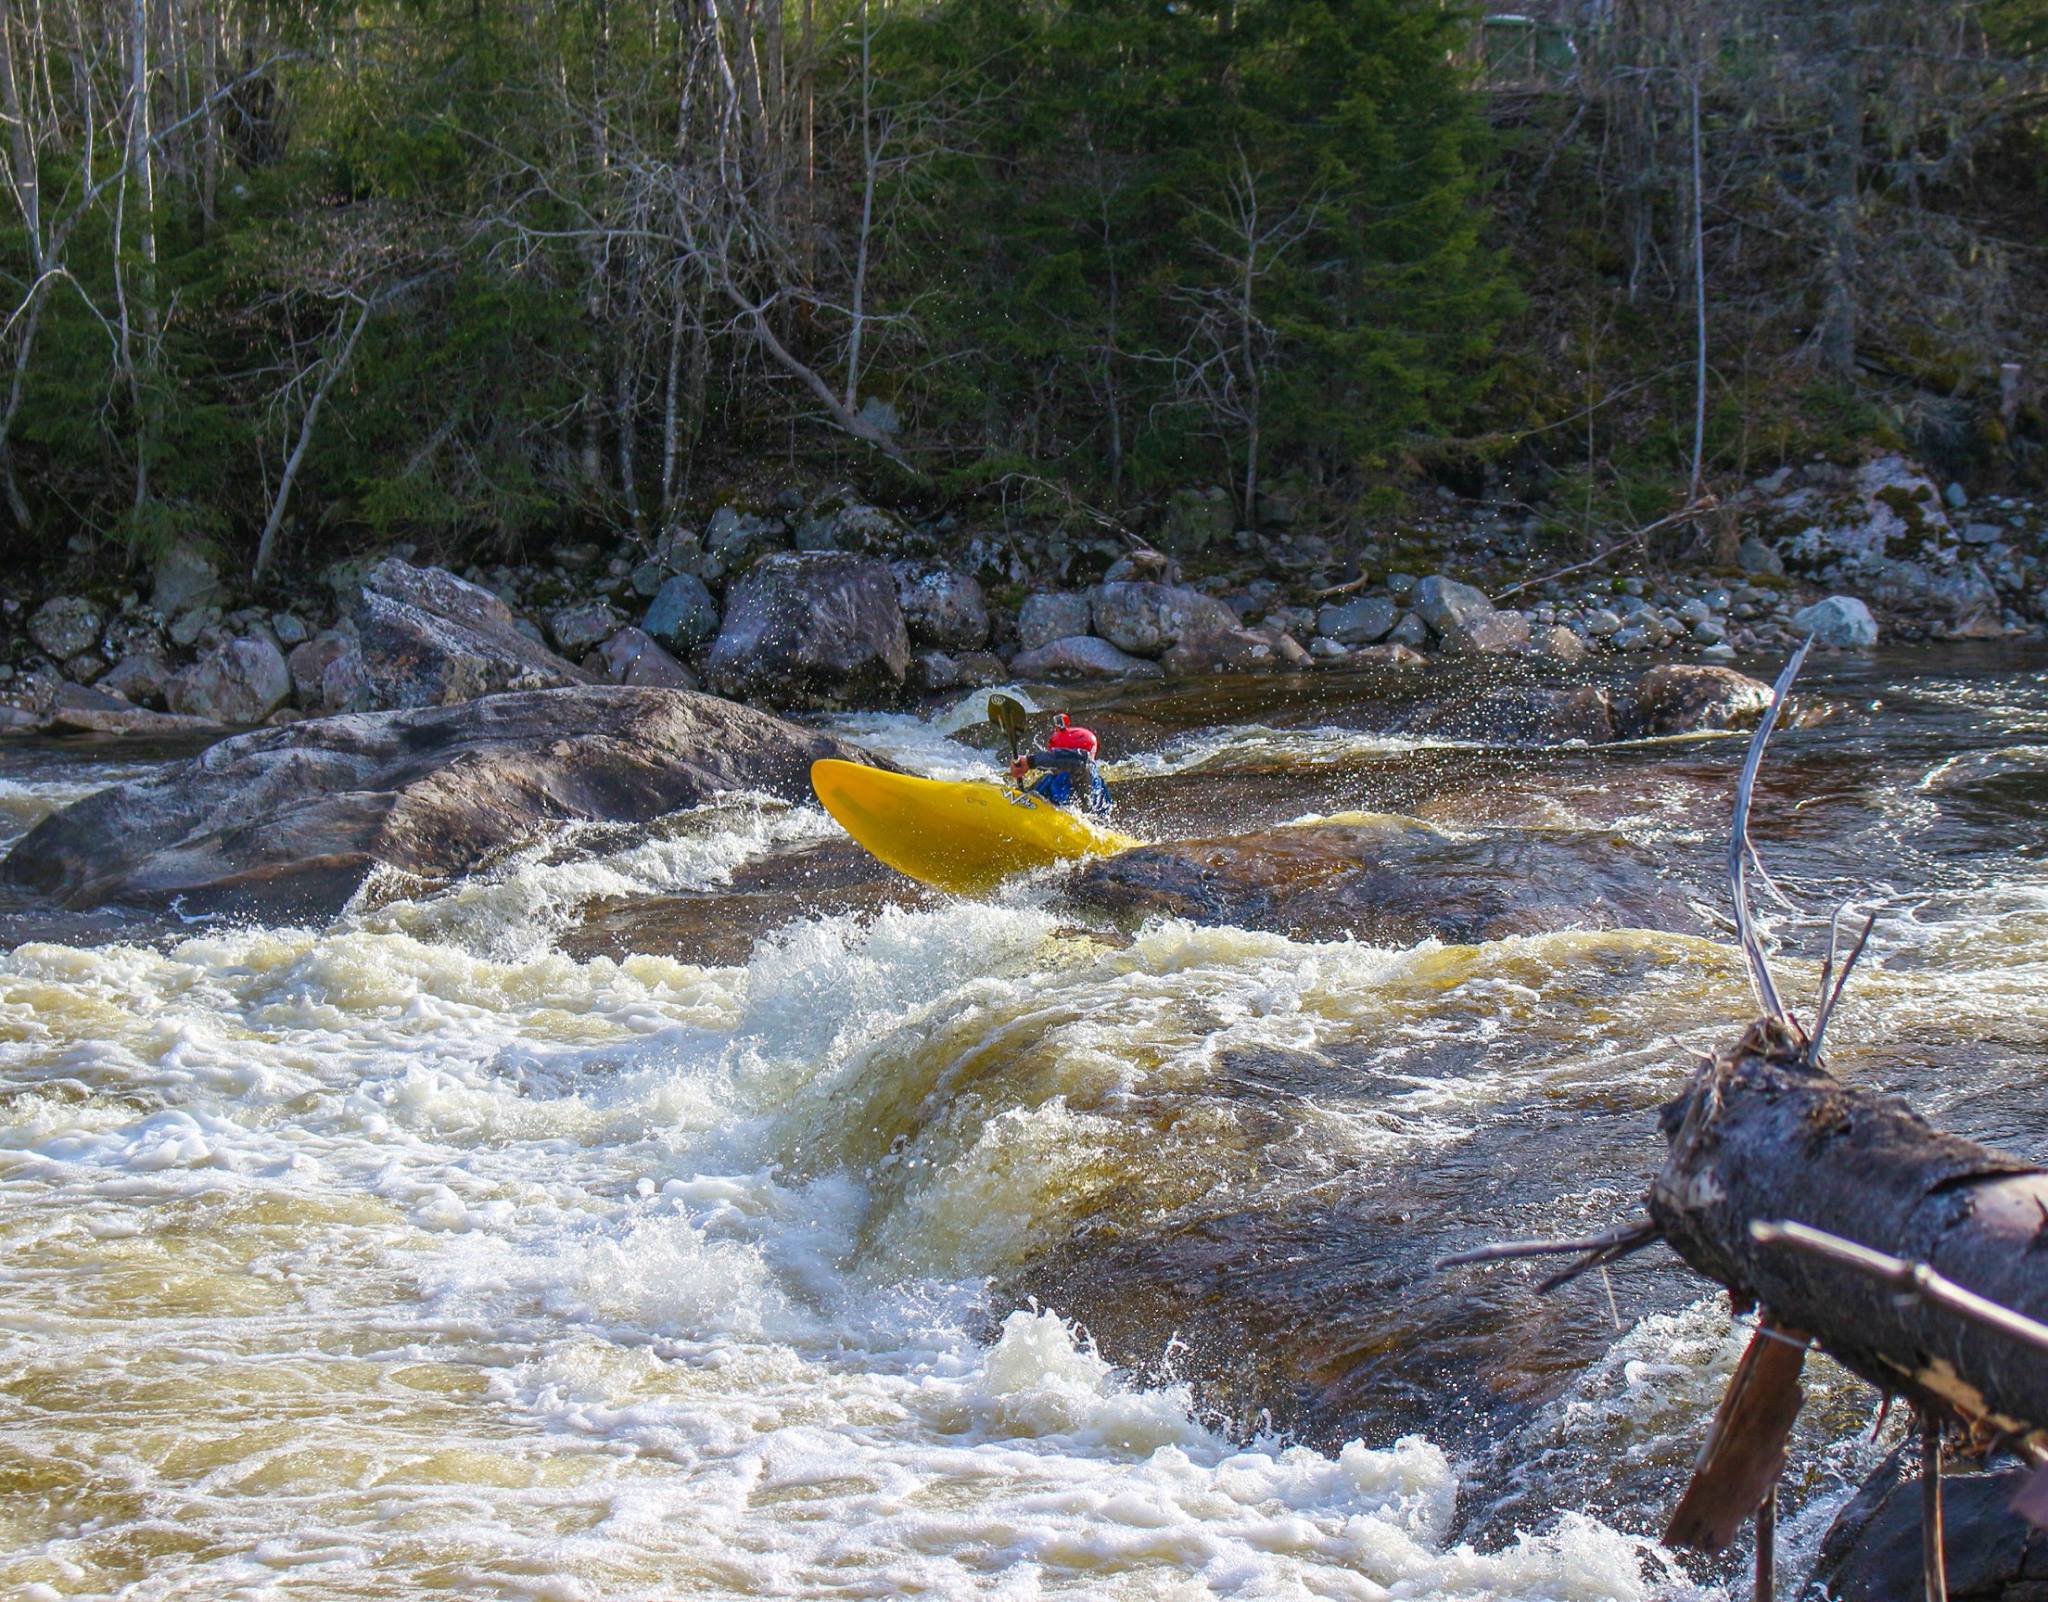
[288,823]
[1393,880]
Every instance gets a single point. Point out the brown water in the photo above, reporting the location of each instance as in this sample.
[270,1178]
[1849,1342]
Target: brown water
[662,1216]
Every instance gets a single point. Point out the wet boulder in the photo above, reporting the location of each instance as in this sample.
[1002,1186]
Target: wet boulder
[809,629]
[1081,656]
[428,638]
[943,609]
[1520,714]
[1148,619]
[1487,633]
[290,822]
[242,681]
[1689,698]
[1871,1553]
[1391,880]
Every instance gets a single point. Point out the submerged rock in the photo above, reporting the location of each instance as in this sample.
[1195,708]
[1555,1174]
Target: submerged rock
[288,823]
[1684,698]
[1391,880]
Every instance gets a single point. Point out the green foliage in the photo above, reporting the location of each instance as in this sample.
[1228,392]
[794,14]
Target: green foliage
[1131,167]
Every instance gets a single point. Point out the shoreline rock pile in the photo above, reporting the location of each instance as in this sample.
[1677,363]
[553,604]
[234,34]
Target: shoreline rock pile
[829,602]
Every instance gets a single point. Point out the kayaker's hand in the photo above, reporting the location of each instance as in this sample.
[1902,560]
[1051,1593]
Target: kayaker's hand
[1019,768]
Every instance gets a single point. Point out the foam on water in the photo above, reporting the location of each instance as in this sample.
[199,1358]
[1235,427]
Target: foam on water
[346,1264]
[521,905]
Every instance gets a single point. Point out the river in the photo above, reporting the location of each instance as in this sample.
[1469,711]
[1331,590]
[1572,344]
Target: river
[697,1212]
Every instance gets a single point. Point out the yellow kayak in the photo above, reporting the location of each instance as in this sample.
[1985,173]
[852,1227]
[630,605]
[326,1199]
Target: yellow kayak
[957,835]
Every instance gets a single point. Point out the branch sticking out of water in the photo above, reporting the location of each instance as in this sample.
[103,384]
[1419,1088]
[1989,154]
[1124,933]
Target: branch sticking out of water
[1599,1250]
[1740,850]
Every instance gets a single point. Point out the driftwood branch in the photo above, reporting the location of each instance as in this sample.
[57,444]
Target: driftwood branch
[1741,853]
[1914,1279]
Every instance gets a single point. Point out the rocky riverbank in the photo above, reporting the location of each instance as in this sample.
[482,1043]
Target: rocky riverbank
[826,601]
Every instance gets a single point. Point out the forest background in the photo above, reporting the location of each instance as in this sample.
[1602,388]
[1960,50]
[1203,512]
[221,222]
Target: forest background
[297,278]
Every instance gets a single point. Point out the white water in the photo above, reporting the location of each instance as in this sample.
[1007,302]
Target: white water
[349,1263]
[410,1257]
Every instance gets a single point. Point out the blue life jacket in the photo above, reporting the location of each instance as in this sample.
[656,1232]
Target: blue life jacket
[1059,785]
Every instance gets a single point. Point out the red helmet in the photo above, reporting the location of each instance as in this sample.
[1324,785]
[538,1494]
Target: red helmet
[1070,737]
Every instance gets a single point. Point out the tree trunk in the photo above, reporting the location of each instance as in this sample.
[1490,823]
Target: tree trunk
[1840,215]
[141,160]
[1759,1136]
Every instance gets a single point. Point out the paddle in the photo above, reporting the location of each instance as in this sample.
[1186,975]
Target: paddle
[1008,715]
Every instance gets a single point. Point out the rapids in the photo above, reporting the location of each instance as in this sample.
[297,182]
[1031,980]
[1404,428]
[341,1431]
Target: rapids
[700,1212]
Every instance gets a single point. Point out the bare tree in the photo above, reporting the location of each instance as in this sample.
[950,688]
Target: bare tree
[1222,366]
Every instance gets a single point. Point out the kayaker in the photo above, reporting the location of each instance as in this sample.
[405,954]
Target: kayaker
[1068,762]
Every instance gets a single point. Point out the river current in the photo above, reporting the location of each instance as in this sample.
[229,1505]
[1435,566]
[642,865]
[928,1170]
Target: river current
[698,1212]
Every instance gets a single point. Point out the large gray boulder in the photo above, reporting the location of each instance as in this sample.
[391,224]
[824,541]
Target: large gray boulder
[242,681]
[1444,604]
[428,638]
[1081,656]
[1487,633]
[290,822]
[65,625]
[1365,621]
[1051,615]
[943,609]
[1840,621]
[1148,619]
[683,616]
[809,629]
[186,579]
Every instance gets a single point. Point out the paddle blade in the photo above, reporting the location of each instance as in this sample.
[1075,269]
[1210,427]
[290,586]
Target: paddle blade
[1009,717]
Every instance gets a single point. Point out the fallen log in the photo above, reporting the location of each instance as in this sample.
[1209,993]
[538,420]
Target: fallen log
[1915,1258]
[1763,1134]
